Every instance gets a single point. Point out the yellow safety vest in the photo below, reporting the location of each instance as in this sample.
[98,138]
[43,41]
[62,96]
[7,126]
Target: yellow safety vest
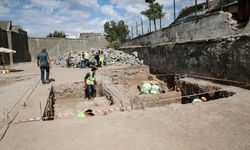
[86,56]
[101,58]
[146,88]
[90,80]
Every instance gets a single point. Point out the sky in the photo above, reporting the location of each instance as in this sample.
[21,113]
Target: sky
[40,17]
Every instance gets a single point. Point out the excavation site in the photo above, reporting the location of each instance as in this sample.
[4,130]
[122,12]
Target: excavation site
[119,91]
[124,74]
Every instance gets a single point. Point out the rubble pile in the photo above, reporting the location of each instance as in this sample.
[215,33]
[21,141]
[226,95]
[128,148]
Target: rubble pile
[116,57]
[111,57]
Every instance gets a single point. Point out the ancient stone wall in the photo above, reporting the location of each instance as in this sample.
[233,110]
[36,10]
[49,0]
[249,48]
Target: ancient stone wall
[227,58]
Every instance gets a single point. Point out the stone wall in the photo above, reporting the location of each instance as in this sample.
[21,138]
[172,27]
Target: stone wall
[227,58]
[56,46]
[208,26]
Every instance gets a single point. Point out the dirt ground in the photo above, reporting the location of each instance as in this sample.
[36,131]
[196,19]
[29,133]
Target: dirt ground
[221,124]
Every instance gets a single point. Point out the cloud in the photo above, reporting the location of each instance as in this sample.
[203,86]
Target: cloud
[39,17]
[4,10]
[130,6]
[88,3]
[47,3]
[110,12]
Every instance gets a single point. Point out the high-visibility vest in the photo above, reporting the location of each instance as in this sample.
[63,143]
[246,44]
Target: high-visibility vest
[101,58]
[146,88]
[155,89]
[80,115]
[86,56]
[90,80]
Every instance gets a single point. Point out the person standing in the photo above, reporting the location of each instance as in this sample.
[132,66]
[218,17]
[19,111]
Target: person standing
[101,59]
[43,62]
[86,59]
[68,60]
[96,56]
[82,60]
[89,84]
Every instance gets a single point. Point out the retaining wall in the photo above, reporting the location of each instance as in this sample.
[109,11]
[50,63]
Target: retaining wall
[56,46]
[208,26]
[227,58]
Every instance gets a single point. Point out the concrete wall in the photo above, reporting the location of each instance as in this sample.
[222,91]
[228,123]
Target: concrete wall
[3,43]
[3,38]
[222,58]
[56,46]
[205,27]
[19,42]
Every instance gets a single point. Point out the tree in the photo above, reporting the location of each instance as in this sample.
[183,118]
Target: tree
[153,12]
[116,33]
[159,14]
[57,34]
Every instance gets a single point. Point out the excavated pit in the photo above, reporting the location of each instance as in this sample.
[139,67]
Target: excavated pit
[68,99]
[119,89]
[190,90]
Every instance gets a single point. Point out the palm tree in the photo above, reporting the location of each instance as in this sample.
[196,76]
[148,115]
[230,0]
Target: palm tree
[154,12]
[160,14]
[148,14]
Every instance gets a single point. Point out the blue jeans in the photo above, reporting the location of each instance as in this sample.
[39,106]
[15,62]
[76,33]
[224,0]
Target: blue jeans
[84,63]
[43,72]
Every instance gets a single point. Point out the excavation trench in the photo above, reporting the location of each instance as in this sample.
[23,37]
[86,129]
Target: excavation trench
[122,92]
[68,99]
[190,90]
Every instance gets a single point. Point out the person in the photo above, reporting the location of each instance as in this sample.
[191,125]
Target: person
[43,62]
[68,60]
[87,113]
[96,56]
[145,87]
[82,60]
[101,59]
[86,59]
[89,84]
[155,89]
[197,100]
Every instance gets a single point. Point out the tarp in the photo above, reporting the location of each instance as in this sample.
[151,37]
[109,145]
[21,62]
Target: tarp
[6,50]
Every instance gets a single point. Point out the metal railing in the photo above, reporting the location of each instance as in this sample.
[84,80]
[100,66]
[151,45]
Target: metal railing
[179,12]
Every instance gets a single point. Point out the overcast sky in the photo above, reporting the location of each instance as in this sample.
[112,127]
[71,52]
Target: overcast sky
[39,17]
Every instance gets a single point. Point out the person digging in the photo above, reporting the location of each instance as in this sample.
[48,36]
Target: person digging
[90,83]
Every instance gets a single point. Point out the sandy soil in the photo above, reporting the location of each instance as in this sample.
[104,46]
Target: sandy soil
[223,124]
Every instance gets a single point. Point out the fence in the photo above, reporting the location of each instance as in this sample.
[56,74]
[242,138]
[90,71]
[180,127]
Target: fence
[178,12]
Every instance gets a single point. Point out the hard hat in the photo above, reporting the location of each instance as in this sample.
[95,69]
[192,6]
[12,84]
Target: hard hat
[203,99]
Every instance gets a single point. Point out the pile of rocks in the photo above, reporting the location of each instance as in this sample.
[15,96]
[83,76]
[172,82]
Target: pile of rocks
[111,57]
[120,57]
